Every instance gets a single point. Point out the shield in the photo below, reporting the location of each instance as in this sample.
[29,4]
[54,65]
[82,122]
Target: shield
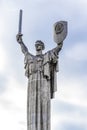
[60,31]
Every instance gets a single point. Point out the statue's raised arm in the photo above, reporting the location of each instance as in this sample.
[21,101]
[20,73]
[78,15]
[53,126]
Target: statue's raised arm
[58,48]
[20,41]
[19,35]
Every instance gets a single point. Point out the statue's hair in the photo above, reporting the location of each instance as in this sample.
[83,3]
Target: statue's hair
[39,42]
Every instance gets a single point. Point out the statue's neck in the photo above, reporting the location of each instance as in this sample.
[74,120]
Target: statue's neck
[39,52]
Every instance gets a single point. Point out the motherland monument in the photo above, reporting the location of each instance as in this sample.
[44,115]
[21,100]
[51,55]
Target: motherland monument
[41,70]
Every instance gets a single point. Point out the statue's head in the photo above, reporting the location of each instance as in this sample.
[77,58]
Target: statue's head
[39,45]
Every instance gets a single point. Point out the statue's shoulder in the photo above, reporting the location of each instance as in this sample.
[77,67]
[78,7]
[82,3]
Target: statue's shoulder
[29,57]
[49,52]
[46,57]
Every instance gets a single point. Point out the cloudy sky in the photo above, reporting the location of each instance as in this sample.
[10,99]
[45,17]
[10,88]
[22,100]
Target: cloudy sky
[69,108]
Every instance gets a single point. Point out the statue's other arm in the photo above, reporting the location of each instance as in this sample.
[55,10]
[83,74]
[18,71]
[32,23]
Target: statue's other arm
[58,48]
[53,54]
[20,41]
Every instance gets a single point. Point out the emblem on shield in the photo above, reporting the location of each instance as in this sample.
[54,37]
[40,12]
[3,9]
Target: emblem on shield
[60,31]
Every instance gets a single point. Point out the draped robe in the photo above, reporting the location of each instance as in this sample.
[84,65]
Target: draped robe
[41,72]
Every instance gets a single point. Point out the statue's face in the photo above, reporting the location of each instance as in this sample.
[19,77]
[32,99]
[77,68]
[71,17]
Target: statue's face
[38,47]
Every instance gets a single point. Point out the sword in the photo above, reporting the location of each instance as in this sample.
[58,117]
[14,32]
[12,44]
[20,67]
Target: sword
[20,22]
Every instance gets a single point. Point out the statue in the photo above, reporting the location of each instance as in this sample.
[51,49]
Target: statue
[41,70]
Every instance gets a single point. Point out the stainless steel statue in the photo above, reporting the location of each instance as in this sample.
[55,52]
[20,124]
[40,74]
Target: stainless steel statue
[41,70]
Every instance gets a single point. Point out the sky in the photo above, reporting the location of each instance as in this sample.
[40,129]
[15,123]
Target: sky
[69,108]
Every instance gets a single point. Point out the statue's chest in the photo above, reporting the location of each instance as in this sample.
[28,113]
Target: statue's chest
[35,64]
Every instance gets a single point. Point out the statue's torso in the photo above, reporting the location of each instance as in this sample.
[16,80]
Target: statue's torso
[35,64]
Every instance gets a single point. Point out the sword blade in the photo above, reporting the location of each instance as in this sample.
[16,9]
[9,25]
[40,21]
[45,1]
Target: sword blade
[20,22]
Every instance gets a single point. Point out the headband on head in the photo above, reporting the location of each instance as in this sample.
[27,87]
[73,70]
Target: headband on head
[39,42]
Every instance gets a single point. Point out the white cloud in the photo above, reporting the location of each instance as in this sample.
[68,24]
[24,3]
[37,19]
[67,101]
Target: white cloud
[13,106]
[77,52]
[58,121]
[72,90]
[3,58]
